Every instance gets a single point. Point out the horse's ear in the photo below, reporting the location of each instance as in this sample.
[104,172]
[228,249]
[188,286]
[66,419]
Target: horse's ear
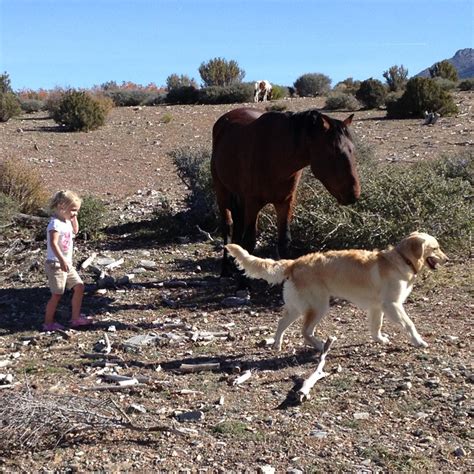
[326,125]
[348,120]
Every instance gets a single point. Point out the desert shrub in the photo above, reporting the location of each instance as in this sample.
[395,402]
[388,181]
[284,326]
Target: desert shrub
[166,118]
[132,97]
[194,169]
[54,99]
[312,85]
[220,72]
[279,92]
[183,95]
[434,197]
[371,93]
[9,106]
[91,218]
[467,84]
[276,108]
[175,82]
[395,201]
[421,94]
[396,77]
[446,84]
[8,207]
[79,111]
[32,105]
[445,70]
[349,86]
[341,101]
[21,183]
[233,94]
[5,83]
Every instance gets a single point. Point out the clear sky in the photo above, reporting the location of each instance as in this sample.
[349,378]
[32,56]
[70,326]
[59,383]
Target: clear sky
[81,43]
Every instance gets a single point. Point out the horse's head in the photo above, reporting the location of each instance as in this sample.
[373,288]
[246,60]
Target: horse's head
[332,157]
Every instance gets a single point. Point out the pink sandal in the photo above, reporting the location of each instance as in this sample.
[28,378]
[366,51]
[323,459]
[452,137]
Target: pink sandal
[51,327]
[82,321]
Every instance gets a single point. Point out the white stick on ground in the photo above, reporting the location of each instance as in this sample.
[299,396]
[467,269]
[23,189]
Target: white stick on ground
[303,393]
[187,368]
[88,260]
[242,378]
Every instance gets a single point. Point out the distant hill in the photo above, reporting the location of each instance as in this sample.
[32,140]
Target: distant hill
[463,61]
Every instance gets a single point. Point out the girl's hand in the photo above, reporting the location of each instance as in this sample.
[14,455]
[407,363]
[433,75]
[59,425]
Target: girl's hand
[64,265]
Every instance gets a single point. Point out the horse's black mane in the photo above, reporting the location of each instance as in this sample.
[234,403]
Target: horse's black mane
[307,121]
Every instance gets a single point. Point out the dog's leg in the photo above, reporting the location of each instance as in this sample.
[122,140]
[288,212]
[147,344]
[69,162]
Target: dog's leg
[375,325]
[396,313]
[288,318]
[311,319]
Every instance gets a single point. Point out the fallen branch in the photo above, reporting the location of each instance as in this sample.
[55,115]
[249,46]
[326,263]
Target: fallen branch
[242,378]
[303,393]
[300,392]
[88,260]
[188,368]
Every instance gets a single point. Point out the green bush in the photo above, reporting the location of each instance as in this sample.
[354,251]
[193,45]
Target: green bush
[183,95]
[22,184]
[91,218]
[349,86]
[371,93]
[79,111]
[467,84]
[421,94]
[220,72]
[279,92]
[32,105]
[133,97]
[397,199]
[341,101]
[9,106]
[396,78]
[445,70]
[312,85]
[234,94]
[446,84]
[175,82]
[194,169]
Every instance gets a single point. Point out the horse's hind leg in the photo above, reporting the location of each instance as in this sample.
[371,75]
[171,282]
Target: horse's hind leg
[284,211]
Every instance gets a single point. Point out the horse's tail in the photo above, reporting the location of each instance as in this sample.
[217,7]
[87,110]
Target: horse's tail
[273,271]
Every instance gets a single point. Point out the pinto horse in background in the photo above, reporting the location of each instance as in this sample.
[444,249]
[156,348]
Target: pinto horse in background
[257,159]
[262,91]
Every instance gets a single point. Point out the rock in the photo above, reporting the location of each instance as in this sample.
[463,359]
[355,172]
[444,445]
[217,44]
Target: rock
[233,301]
[432,383]
[191,416]
[320,434]
[148,264]
[361,415]
[136,408]
[266,469]
[459,452]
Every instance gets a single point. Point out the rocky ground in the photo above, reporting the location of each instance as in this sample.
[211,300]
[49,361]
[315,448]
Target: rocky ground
[125,394]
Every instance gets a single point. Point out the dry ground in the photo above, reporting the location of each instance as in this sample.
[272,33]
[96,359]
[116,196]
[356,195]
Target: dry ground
[393,408]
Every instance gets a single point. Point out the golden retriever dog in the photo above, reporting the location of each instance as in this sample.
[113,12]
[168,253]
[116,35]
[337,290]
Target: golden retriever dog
[376,281]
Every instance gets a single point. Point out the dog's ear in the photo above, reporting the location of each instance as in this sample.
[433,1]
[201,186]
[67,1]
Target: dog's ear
[413,249]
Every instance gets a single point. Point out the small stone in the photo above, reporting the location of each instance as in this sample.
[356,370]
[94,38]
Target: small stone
[320,434]
[361,415]
[136,408]
[459,452]
[266,469]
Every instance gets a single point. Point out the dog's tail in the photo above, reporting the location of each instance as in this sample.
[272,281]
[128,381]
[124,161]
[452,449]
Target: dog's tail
[273,271]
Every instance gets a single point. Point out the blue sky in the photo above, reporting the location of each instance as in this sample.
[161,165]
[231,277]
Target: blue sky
[81,43]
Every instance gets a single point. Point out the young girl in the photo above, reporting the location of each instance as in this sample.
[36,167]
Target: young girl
[61,229]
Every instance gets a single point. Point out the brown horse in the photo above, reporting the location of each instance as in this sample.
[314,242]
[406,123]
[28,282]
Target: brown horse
[258,158]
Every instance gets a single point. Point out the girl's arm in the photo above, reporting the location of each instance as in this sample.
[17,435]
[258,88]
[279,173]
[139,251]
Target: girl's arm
[75,224]
[54,234]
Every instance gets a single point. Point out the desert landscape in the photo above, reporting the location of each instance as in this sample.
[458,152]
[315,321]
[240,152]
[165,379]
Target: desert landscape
[125,394]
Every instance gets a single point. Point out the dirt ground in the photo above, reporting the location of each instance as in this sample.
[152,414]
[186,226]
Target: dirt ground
[380,408]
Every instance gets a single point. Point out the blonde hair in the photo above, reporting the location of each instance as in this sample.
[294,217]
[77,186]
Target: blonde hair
[64,198]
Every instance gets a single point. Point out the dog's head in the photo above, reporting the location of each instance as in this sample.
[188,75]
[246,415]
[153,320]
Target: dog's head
[420,249]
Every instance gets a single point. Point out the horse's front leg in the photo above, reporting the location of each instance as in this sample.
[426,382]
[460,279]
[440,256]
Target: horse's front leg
[284,212]
[226,228]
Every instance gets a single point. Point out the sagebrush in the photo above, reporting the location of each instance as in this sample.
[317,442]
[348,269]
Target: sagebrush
[435,197]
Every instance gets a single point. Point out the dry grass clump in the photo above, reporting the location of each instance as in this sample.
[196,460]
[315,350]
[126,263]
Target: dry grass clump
[22,184]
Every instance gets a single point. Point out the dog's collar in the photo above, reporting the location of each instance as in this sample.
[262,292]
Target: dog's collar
[407,261]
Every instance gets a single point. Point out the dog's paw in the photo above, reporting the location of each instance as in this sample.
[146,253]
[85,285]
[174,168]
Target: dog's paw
[420,343]
[382,338]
